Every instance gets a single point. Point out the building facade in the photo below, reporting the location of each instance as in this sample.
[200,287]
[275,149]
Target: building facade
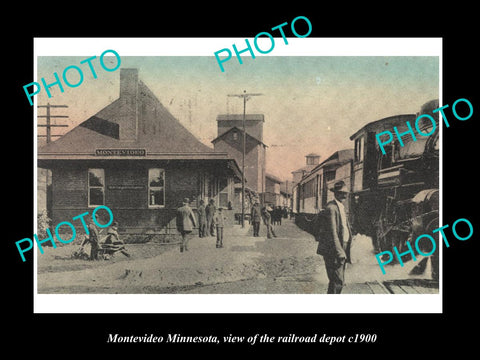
[312,193]
[272,194]
[230,140]
[136,158]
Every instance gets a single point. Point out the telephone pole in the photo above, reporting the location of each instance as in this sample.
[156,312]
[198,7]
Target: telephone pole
[245,97]
[48,117]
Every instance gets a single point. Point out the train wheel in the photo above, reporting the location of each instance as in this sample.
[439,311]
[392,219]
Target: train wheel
[426,248]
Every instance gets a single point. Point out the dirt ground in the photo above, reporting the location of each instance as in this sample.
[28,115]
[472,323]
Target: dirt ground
[246,264]
[60,259]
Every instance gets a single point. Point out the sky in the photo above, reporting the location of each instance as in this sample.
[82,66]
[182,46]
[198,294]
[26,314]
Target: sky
[310,103]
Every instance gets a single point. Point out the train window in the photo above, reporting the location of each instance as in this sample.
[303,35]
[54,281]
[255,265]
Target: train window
[359,149]
[386,160]
[411,149]
[330,175]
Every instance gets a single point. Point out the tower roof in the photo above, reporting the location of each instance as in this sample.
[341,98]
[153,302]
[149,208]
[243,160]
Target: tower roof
[248,117]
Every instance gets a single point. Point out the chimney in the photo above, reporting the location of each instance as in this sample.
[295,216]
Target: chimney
[312,159]
[128,114]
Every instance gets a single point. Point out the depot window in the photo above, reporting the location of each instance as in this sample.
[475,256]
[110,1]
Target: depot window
[96,187]
[156,188]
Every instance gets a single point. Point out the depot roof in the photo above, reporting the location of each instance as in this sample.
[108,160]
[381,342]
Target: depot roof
[135,121]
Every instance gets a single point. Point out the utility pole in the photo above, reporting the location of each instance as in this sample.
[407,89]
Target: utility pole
[245,97]
[48,117]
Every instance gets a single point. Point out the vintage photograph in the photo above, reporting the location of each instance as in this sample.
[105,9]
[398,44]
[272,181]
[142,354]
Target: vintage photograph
[265,179]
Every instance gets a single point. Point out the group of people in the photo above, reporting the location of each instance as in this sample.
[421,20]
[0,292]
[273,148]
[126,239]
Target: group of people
[211,220]
[334,235]
[334,238]
[264,214]
[278,213]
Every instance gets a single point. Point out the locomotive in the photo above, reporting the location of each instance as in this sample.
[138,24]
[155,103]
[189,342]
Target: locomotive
[394,195]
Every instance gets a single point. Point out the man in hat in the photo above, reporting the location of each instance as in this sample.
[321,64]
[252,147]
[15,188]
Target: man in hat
[267,220]
[210,213]
[202,219]
[112,234]
[92,239]
[113,242]
[256,217]
[219,223]
[334,239]
[185,222]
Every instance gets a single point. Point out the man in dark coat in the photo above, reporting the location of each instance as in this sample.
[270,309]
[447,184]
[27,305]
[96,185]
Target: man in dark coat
[256,217]
[202,219]
[279,215]
[334,239]
[185,223]
[267,220]
[92,239]
[210,213]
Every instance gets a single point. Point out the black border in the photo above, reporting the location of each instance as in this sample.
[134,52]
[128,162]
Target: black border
[407,334]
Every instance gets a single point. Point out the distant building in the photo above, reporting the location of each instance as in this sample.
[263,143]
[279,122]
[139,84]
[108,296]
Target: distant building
[136,158]
[286,194]
[312,193]
[272,194]
[230,140]
[311,160]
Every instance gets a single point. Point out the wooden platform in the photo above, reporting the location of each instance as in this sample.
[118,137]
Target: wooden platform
[407,286]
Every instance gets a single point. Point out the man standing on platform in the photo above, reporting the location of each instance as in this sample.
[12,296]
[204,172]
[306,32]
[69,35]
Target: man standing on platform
[256,217]
[92,239]
[267,220]
[202,219]
[220,219]
[185,223]
[334,239]
[210,213]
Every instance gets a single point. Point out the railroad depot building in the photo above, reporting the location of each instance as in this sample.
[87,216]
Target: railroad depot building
[139,160]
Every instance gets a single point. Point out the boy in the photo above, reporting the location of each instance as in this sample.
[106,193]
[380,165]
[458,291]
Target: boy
[219,222]
[113,241]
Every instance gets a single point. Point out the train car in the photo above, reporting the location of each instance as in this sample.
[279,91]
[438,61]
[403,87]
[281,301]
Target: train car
[394,196]
[312,193]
